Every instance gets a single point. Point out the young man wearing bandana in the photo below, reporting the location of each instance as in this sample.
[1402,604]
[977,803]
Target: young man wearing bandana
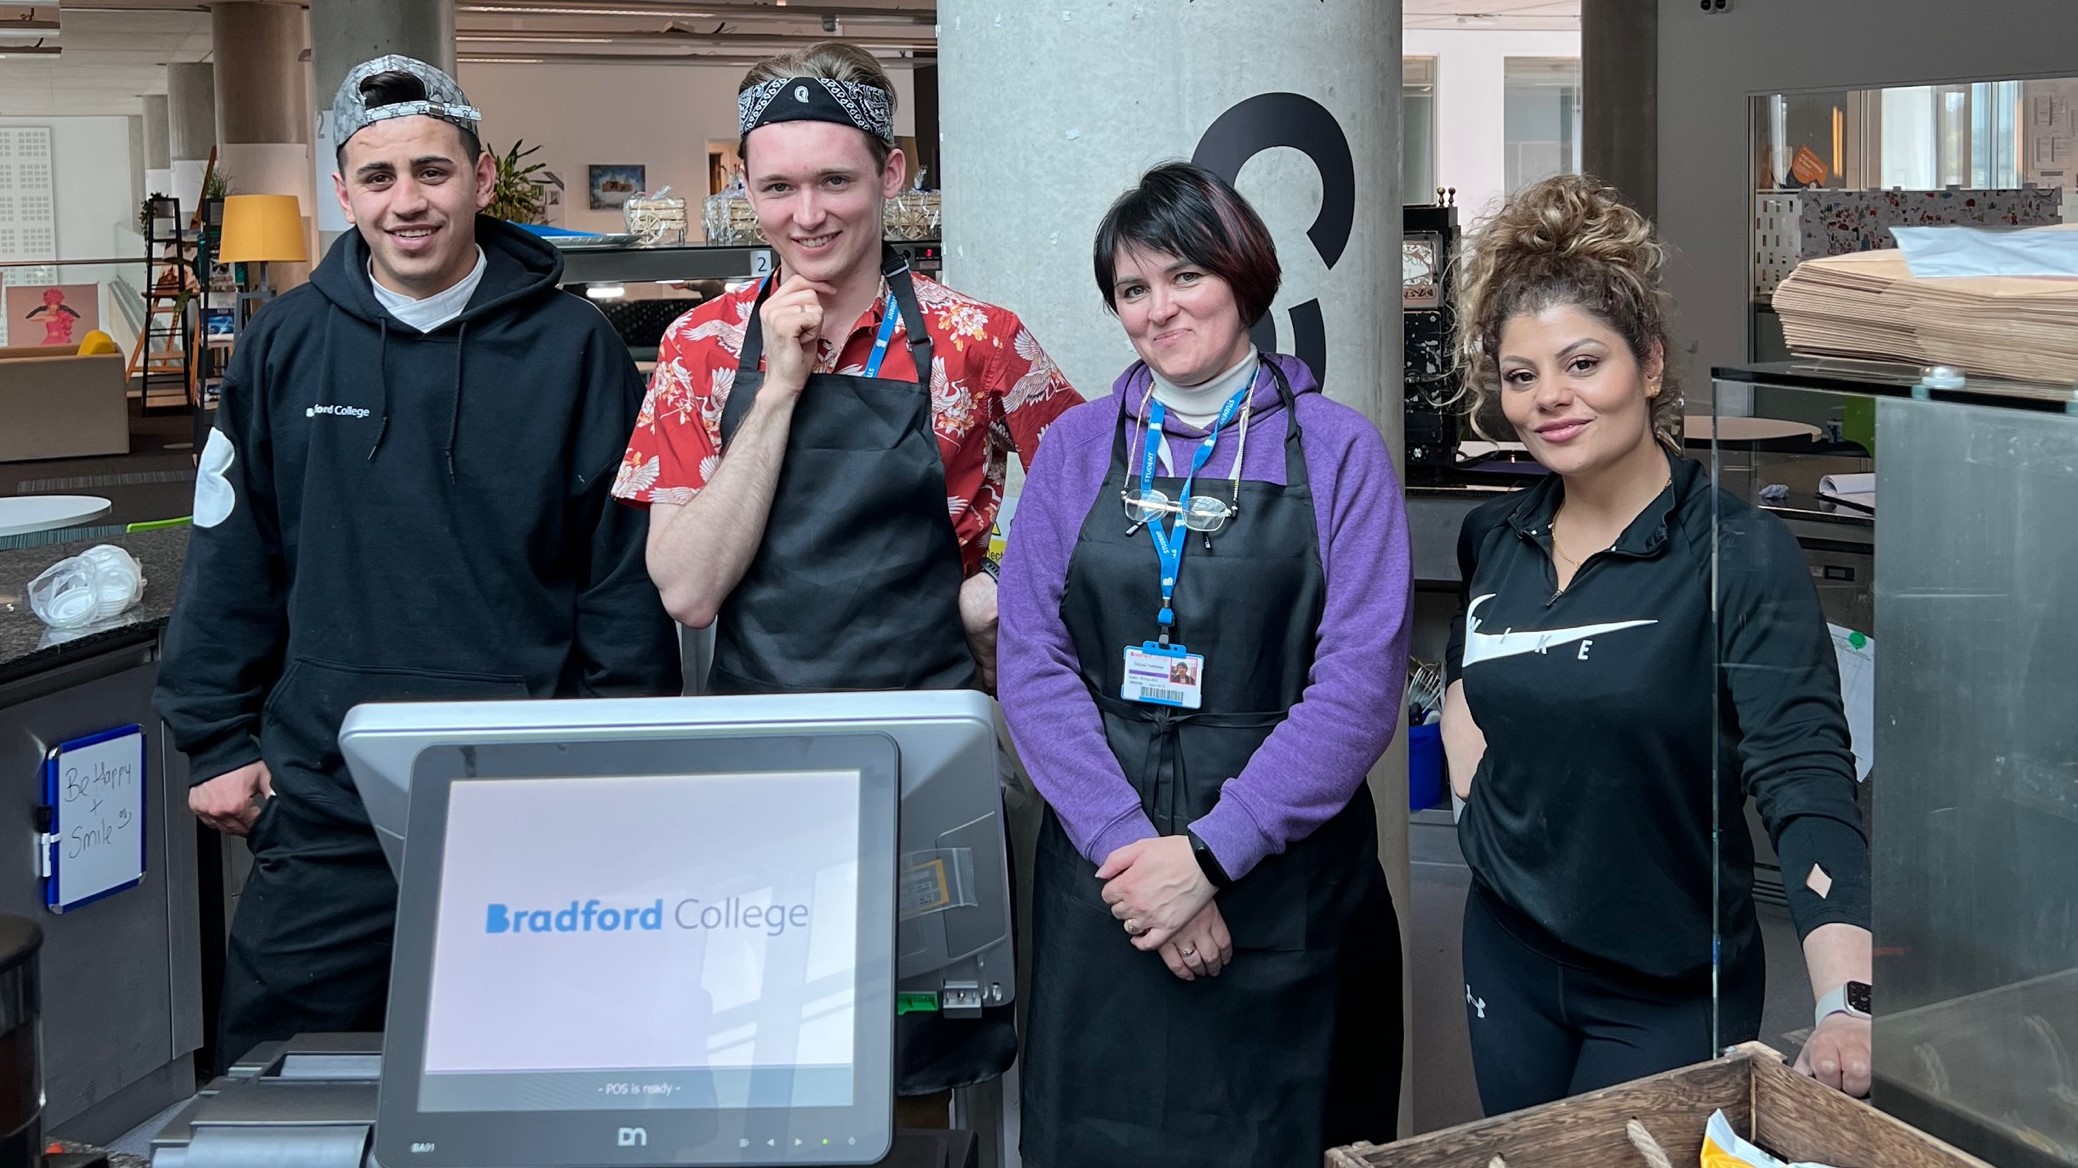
[823,452]
[404,498]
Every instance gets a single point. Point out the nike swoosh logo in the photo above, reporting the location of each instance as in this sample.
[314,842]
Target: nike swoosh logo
[1491,646]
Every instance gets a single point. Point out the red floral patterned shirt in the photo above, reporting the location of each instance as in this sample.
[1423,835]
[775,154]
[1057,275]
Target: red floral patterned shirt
[993,390]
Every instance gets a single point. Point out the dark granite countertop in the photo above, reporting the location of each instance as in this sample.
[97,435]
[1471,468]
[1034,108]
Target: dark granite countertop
[29,646]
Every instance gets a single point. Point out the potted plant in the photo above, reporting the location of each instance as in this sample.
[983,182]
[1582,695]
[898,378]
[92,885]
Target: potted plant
[516,196]
[144,213]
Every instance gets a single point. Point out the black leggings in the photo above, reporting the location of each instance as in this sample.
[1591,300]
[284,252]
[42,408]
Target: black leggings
[1543,1030]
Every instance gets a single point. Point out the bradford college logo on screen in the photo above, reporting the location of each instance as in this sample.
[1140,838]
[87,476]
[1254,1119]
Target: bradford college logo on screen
[730,914]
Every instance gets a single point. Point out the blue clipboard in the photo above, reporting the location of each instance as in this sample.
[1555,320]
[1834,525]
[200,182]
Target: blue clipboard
[92,824]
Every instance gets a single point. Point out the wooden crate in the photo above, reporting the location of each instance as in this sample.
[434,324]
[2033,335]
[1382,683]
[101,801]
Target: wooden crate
[1766,1101]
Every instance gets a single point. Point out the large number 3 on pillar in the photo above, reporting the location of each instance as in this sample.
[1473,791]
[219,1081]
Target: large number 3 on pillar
[1266,121]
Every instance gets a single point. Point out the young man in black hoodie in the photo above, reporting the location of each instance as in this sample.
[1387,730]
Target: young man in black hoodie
[406,496]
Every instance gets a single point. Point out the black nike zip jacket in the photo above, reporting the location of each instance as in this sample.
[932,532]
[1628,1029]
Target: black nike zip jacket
[1619,711]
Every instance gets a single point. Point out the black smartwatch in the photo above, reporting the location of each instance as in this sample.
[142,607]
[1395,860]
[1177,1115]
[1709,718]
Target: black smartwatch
[1207,862]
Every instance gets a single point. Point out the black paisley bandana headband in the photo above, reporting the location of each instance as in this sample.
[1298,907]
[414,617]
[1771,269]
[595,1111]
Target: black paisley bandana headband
[819,99]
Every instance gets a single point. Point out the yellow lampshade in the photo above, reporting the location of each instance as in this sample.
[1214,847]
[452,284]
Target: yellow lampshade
[262,229]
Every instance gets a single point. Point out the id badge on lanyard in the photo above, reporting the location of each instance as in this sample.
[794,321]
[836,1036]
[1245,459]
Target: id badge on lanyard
[1162,672]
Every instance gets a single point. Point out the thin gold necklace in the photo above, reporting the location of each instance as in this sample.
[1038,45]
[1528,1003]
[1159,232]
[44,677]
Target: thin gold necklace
[1560,514]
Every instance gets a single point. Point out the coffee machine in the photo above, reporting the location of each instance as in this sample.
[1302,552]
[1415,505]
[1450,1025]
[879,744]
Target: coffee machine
[21,1055]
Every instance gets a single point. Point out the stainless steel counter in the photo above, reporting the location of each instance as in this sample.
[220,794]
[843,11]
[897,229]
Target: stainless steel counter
[122,977]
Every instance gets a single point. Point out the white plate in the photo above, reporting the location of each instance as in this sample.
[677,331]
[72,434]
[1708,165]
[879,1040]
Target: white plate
[21,514]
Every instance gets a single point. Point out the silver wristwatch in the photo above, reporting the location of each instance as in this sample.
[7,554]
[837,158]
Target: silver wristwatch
[1850,998]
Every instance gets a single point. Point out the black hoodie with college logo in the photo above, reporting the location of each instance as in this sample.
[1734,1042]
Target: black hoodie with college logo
[1604,707]
[385,514]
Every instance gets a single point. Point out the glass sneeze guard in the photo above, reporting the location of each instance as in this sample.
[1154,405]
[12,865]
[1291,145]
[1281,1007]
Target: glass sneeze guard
[1933,513]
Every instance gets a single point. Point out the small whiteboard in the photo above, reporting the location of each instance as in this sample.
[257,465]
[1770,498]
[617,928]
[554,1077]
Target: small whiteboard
[93,845]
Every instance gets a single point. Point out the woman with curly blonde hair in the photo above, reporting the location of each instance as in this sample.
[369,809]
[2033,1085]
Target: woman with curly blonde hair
[1636,653]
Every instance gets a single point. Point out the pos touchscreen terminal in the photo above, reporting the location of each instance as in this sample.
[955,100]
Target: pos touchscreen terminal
[660,931]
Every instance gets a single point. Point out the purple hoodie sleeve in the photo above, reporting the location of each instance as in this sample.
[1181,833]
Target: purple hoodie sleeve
[1057,727]
[1312,764]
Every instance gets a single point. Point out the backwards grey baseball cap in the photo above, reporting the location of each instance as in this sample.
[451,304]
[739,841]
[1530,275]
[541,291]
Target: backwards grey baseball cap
[351,112]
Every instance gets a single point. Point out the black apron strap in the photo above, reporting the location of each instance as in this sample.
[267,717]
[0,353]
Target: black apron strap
[1294,439]
[744,391]
[895,270]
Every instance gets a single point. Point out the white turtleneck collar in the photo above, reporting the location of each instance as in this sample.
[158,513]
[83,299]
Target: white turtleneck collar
[1198,405]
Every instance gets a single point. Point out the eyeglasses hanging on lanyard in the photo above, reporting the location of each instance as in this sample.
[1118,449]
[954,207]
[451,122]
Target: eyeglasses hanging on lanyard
[1202,514]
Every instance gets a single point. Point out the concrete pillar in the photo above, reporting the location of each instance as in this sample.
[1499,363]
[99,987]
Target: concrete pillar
[344,33]
[1298,102]
[1619,102]
[190,128]
[158,164]
[263,107]
[263,123]
[136,122]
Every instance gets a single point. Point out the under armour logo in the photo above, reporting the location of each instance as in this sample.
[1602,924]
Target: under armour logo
[1476,1003]
[801,94]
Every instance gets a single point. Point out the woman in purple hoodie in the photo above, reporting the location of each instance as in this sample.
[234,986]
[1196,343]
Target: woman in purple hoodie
[1204,640]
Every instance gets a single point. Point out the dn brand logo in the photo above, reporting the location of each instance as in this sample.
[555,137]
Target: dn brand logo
[634,1137]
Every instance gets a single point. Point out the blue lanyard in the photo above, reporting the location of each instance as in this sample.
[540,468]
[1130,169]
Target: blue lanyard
[889,314]
[1168,547]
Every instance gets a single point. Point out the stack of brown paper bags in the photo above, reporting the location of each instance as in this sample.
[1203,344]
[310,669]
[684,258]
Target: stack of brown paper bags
[1869,306]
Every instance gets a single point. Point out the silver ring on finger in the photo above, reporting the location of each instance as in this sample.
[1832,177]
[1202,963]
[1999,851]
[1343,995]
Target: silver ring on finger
[1189,952]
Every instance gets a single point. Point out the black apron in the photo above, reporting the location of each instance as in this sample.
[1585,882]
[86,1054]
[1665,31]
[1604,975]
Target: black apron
[1295,1047]
[856,586]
